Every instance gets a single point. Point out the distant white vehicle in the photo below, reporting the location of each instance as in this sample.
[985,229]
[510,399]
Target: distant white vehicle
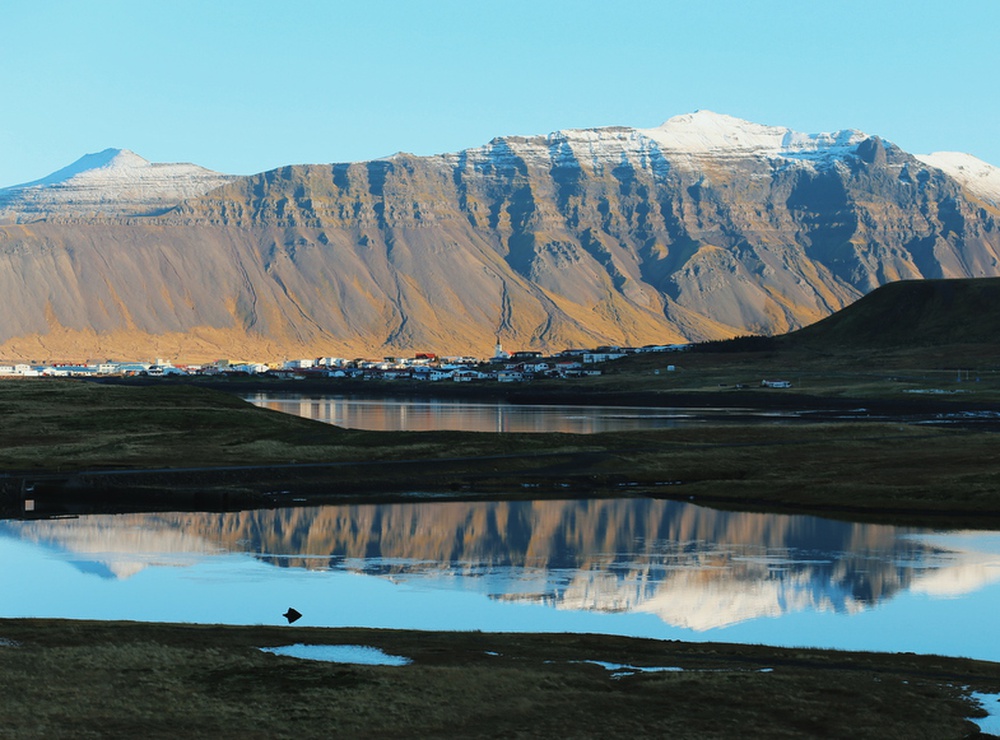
[775,384]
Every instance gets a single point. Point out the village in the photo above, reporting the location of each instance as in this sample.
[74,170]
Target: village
[503,367]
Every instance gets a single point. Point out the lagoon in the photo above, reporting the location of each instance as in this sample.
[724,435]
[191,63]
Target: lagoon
[637,567]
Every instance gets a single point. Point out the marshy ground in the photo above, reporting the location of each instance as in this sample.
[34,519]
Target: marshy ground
[126,680]
[76,679]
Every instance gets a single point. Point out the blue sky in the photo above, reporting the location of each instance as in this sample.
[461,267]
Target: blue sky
[244,86]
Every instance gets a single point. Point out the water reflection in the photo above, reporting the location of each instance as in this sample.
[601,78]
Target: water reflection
[644,567]
[429,414]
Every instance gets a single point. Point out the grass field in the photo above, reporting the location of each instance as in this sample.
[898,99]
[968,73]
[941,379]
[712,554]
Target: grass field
[128,680]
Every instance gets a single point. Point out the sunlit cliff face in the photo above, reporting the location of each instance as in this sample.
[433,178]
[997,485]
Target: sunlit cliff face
[691,567]
[703,228]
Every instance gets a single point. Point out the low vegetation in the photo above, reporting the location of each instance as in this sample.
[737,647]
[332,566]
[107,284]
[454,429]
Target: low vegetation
[870,470]
[127,680]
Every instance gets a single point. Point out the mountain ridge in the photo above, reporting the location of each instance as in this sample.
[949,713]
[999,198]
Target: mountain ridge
[578,238]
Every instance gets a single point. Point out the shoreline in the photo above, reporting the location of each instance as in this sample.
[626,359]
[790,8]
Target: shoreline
[528,393]
[295,485]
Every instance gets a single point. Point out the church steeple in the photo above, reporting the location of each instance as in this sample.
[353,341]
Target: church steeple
[498,353]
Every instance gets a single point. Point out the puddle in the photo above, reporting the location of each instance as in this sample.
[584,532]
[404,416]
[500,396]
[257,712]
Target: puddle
[4,642]
[989,725]
[623,669]
[354,654]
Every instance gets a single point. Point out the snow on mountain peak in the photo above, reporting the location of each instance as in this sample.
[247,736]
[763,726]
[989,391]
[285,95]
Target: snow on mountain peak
[706,133]
[978,176]
[109,182]
[108,159]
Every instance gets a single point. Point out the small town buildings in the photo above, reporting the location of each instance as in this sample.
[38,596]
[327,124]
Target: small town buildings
[19,370]
[603,354]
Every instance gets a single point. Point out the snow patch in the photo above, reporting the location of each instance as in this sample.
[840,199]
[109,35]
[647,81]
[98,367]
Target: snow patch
[109,159]
[981,178]
[707,133]
[683,141]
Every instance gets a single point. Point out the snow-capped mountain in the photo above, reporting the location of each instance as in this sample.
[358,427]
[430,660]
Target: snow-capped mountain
[685,141]
[704,227]
[711,134]
[110,183]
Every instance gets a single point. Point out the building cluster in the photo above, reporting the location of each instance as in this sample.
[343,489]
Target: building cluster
[502,367]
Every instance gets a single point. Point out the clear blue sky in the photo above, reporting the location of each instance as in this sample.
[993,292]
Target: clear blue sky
[242,86]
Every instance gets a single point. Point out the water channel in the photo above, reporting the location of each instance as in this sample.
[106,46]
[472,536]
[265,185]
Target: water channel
[385,414]
[418,414]
[638,567]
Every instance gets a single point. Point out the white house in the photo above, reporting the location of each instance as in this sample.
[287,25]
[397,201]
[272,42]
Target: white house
[510,376]
[591,358]
[250,368]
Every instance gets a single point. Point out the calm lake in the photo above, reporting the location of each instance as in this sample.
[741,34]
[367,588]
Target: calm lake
[638,567]
[428,414]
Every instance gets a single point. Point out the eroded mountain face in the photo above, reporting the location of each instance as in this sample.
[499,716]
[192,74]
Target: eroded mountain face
[704,228]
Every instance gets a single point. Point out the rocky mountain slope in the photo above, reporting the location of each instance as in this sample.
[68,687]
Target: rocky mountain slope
[702,228]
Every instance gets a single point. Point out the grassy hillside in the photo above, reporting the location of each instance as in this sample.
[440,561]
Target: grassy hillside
[913,313]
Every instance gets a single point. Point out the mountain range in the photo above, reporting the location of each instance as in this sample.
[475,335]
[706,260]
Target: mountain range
[703,228]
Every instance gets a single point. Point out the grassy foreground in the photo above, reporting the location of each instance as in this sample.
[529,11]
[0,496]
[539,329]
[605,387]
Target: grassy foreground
[127,680]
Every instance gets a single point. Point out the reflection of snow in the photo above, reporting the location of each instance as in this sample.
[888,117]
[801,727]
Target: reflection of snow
[688,599]
[960,579]
[971,561]
[123,551]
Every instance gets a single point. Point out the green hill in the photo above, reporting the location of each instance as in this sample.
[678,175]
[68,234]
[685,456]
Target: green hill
[911,313]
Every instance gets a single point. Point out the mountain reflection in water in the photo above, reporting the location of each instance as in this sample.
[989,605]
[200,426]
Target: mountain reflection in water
[693,569]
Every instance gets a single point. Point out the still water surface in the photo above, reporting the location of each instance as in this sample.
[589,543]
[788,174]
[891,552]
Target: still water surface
[429,414]
[638,567]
